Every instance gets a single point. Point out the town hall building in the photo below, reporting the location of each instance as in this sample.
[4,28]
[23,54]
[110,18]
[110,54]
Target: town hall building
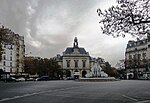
[75,61]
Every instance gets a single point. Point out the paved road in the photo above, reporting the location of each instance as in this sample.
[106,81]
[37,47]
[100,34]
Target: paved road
[126,91]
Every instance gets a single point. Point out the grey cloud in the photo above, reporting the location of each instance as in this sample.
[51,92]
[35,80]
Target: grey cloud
[67,14]
[51,23]
[14,15]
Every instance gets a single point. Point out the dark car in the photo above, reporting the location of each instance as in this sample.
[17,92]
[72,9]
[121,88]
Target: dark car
[70,78]
[43,78]
[10,79]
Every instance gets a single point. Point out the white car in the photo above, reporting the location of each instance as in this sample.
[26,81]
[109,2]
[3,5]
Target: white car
[30,79]
[21,79]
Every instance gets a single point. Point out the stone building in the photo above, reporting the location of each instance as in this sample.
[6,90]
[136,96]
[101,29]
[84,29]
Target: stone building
[76,61]
[13,55]
[137,59]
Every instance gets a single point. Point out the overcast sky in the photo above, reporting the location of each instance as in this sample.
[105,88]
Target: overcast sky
[49,27]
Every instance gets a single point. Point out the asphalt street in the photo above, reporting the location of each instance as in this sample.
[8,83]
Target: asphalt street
[125,91]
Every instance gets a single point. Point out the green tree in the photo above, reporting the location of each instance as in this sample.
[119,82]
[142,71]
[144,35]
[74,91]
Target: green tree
[30,65]
[43,67]
[115,73]
[127,17]
[111,71]
[53,69]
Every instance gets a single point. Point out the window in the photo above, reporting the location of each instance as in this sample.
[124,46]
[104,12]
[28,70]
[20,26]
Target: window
[68,63]
[11,47]
[3,52]
[84,63]
[4,63]
[4,46]
[11,64]
[130,56]
[76,63]
[10,52]
[4,57]
[4,69]
[17,49]
[10,58]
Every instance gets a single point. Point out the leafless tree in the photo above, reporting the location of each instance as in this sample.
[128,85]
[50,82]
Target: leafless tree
[127,17]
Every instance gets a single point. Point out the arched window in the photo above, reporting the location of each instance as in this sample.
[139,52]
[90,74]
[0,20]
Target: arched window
[68,73]
[68,63]
[84,63]
[76,63]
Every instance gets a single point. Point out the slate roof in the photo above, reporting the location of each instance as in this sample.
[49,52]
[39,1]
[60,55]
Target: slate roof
[70,51]
[136,43]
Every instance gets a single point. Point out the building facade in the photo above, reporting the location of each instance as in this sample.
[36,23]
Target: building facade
[13,55]
[76,61]
[137,59]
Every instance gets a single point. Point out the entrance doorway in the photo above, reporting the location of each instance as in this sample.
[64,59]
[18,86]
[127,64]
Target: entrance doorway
[68,73]
[76,74]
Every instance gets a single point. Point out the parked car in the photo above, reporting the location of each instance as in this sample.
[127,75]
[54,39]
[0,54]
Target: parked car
[43,78]
[30,79]
[10,79]
[21,79]
[70,78]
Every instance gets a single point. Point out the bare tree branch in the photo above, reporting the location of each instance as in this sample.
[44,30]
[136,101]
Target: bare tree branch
[128,17]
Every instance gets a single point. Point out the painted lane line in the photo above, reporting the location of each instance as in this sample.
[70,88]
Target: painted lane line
[17,97]
[130,98]
[36,93]
[145,101]
[25,95]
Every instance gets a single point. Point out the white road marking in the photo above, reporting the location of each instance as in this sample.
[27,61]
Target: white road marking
[35,93]
[17,97]
[145,101]
[130,98]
